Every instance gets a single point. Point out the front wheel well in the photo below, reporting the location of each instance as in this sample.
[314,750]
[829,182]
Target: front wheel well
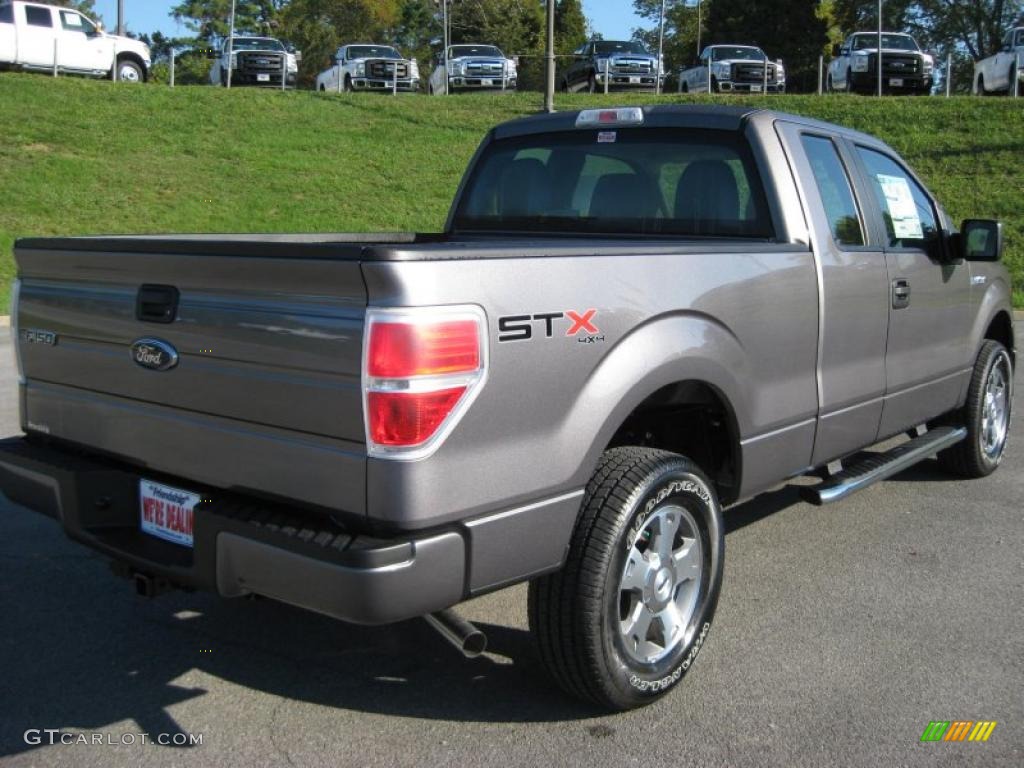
[693,419]
[1001,330]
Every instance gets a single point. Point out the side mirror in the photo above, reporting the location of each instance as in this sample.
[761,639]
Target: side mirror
[836,50]
[298,57]
[981,240]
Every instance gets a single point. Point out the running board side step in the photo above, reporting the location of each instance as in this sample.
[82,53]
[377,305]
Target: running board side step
[883,465]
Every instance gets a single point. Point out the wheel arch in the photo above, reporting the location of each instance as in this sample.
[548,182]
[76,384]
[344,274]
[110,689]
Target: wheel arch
[685,389]
[1000,328]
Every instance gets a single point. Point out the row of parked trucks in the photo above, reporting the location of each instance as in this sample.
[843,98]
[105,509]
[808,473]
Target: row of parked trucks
[37,36]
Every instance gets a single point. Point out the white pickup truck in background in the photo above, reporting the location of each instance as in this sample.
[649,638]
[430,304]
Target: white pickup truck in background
[369,67]
[32,35]
[997,72]
[260,61]
[739,68]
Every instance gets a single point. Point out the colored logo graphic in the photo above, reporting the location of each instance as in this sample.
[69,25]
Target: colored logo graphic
[958,730]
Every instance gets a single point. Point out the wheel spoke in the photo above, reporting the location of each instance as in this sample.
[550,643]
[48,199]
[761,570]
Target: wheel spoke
[671,624]
[636,625]
[687,560]
[664,539]
[637,570]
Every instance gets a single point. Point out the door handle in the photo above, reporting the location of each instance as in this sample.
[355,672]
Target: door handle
[900,293]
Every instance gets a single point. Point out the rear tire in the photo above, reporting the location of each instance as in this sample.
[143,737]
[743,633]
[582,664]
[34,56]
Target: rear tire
[986,414]
[981,85]
[625,618]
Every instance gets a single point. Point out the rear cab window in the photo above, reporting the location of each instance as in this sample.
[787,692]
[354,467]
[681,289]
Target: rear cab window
[38,16]
[6,14]
[835,190]
[630,181]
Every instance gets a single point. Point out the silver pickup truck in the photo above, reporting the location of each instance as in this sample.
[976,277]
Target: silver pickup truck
[634,318]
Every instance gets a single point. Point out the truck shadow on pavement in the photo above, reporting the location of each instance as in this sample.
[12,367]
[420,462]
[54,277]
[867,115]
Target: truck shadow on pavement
[85,653]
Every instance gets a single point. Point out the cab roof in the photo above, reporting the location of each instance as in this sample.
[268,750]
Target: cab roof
[693,116]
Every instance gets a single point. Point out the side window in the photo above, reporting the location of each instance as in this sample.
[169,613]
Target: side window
[6,14]
[37,16]
[71,21]
[909,216]
[1020,37]
[834,187]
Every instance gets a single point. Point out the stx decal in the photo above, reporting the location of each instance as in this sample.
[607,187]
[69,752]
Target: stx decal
[524,327]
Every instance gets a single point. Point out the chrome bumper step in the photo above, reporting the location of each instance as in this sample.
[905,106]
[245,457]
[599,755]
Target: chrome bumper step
[880,466]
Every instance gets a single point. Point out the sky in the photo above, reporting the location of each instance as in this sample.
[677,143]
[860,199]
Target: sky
[612,18]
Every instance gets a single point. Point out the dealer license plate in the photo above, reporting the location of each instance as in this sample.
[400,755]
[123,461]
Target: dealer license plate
[755,89]
[166,512]
[634,80]
[486,82]
[896,82]
[262,78]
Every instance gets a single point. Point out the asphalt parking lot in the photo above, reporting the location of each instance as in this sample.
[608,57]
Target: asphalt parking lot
[842,631]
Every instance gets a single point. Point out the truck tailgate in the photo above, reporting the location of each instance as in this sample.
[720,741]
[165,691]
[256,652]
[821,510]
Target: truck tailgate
[265,396]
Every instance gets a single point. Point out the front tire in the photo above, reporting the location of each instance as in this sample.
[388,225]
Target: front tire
[592,83]
[129,72]
[986,414]
[623,621]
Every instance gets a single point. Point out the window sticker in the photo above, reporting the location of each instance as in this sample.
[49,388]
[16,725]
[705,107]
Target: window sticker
[906,224]
[72,19]
[606,137]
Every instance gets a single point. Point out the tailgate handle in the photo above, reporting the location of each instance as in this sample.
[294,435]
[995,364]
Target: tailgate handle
[157,303]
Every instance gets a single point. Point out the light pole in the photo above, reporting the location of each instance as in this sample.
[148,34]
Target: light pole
[444,20]
[879,47]
[120,17]
[688,4]
[549,89]
[661,49]
[231,42]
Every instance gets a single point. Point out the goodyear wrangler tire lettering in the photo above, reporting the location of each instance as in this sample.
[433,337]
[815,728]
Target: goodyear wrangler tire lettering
[640,584]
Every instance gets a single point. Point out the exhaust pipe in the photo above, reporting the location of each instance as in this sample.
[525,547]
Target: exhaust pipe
[459,632]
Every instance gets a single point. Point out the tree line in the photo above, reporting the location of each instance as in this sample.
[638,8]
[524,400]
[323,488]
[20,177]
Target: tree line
[797,31]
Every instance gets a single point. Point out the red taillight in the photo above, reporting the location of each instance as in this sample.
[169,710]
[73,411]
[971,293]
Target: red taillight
[423,368]
[399,350]
[409,418]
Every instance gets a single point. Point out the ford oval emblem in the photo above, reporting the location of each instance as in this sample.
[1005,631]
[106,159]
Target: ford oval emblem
[154,354]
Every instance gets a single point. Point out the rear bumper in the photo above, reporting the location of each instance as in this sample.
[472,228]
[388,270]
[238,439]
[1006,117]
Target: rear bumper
[243,545]
[239,548]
